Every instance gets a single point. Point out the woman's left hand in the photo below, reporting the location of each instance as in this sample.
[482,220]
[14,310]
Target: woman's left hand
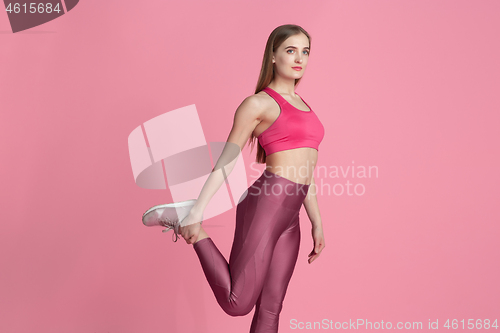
[319,243]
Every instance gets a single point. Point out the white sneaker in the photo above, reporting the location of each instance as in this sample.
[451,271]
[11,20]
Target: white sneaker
[168,215]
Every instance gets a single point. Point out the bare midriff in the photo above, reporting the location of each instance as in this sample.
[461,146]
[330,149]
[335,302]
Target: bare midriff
[296,164]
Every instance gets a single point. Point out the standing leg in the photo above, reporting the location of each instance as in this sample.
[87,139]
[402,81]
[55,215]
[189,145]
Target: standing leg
[270,301]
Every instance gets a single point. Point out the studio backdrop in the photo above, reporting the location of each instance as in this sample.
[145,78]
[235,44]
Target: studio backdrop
[104,103]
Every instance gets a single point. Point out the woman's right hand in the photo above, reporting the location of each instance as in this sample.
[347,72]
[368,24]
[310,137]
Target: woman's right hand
[190,226]
[319,243]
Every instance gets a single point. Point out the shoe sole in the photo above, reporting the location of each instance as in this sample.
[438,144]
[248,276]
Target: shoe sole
[170,205]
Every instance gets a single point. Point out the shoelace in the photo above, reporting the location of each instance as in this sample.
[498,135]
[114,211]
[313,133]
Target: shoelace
[171,225]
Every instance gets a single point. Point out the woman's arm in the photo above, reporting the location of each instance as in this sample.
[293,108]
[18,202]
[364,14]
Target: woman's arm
[311,205]
[246,118]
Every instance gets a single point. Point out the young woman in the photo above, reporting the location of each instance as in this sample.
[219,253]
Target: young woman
[267,234]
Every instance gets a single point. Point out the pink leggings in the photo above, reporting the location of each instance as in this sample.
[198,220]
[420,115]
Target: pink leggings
[263,255]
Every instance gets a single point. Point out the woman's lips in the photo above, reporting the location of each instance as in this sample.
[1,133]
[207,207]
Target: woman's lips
[297,68]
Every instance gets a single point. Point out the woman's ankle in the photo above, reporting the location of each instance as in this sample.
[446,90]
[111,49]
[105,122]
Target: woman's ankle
[201,235]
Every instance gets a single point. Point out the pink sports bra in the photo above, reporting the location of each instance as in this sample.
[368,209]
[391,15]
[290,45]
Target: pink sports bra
[293,128]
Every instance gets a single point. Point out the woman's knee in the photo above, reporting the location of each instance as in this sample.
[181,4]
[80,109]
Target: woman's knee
[237,311]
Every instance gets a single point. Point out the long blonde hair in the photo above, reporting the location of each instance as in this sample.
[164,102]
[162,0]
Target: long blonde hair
[276,38]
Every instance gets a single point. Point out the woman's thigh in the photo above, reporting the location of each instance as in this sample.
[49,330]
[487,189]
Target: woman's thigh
[262,217]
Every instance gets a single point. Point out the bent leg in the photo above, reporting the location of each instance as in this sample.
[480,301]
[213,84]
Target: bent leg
[237,285]
[270,302]
[262,217]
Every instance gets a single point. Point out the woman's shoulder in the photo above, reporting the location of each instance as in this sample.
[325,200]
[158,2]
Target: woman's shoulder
[258,104]
[261,100]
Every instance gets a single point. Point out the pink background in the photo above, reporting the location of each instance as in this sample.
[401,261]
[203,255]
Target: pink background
[410,87]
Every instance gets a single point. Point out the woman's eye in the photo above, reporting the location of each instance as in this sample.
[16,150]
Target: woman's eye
[307,52]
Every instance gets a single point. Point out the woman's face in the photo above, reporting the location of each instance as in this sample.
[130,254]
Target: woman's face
[293,52]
